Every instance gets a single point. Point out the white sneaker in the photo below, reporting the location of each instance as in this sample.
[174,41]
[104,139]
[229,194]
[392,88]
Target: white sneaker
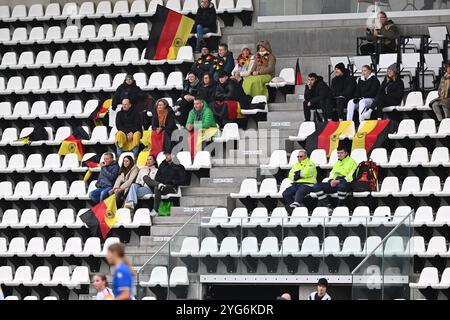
[294,205]
[153,213]
[161,186]
[129,205]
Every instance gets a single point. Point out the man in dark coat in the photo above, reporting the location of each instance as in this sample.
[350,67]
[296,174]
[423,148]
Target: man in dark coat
[342,88]
[204,64]
[317,96]
[127,90]
[205,21]
[224,61]
[129,126]
[207,89]
[190,90]
[106,179]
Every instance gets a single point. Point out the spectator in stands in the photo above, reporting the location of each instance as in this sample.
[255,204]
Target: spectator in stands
[207,90]
[285,296]
[385,32]
[205,21]
[262,71]
[244,65]
[201,117]
[122,284]
[139,189]
[127,174]
[101,285]
[303,176]
[224,61]
[321,293]
[167,180]
[339,179]
[342,88]
[441,105]
[317,96]
[204,64]
[163,122]
[129,126]
[190,90]
[390,93]
[127,90]
[365,93]
[106,179]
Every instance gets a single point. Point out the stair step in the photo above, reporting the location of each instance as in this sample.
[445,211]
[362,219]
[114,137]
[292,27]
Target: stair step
[204,200]
[282,116]
[190,211]
[171,220]
[290,126]
[219,182]
[231,172]
[192,191]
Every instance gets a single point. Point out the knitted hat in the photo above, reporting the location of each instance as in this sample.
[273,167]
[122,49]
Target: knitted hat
[322,282]
[341,67]
[393,67]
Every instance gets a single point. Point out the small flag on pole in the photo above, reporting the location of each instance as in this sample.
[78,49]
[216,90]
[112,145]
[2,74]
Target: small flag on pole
[298,75]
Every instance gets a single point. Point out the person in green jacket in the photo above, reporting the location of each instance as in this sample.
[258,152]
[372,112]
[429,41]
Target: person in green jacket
[339,180]
[201,117]
[303,176]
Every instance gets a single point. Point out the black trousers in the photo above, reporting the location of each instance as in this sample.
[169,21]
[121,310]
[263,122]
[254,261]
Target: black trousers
[185,108]
[325,105]
[341,104]
[152,184]
[370,48]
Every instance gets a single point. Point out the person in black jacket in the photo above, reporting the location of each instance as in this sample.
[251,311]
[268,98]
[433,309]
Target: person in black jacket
[390,93]
[207,90]
[205,21]
[167,180]
[204,64]
[342,88]
[365,93]
[127,90]
[190,90]
[129,126]
[317,96]
[163,122]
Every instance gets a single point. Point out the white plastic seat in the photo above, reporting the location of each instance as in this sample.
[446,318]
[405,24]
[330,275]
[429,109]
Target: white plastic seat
[123,32]
[319,217]
[69,10]
[34,12]
[73,247]
[27,219]
[10,218]
[202,160]
[50,298]
[248,187]
[5,109]
[92,246]
[445,280]
[277,159]
[330,247]
[53,34]
[174,81]
[437,246]
[84,83]
[46,218]
[109,241]
[158,277]
[9,59]
[141,218]
[298,217]
[65,219]
[140,31]
[22,189]
[208,247]
[86,9]
[238,217]
[426,128]
[185,54]
[350,247]
[310,246]
[49,83]
[443,131]
[430,97]
[16,247]
[431,186]
[19,11]
[229,132]
[102,82]
[413,100]
[105,32]
[40,191]
[359,155]
[379,156]
[35,246]
[278,217]
[415,246]
[267,188]
[394,246]
[103,9]
[22,274]
[442,217]
[58,189]
[95,56]
[88,33]
[60,275]
[138,7]
[305,130]
[112,57]
[52,11]
[371,243]
[9,135]
[130,56]
[423,216]
[26,59]
[445,189]
[389,186]
[6,274]
[439,157]
[409,186]
[16,162]
[89,107]
[61,134]
[188,247]
[428,277]
[80,276]
[18,35]
[70,33]
[269,247]
[43,58]
[381,216]
[406,128]
[156,80]
[340,216]
[399,217]
[218,216]
[36,36]
[99,134]
[179,277]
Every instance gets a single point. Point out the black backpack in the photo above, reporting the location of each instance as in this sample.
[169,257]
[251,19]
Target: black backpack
[365,177]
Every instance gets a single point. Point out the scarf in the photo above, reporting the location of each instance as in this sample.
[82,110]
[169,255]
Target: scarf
[444,86]
[195,83]
[243,60]
[162,117]
[262,58]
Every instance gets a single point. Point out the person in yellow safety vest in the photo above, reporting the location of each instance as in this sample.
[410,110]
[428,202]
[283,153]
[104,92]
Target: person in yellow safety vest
[303,176]
[339,180]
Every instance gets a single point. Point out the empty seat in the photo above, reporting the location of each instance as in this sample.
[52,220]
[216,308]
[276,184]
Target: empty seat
[406,128]
[140,31]
[439,157]
[426,128]
[158,277]
[277,159]
[409,186]
[389,186]
[60,275]
[428,277]
[248,187]
[22,274]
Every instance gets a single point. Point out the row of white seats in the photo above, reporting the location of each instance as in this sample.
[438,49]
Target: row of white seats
[49,218]
[31,298]
[23,275]
[429,278]
[414,101]
[382,215]
[88,83]
[426,128]
[160,277]
[54,247]
[82,58]
[88,33]
[398,158]
[107,9]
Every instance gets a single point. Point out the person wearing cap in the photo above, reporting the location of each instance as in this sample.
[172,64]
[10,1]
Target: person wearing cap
[224,61]
[128,89]
[262,71]
[441,105]
[190,89]
[204,64]
[384,31]
[321,293]
[342,87]
[129,129]
[390,93]
[244,64]
[303,176]
[205,21]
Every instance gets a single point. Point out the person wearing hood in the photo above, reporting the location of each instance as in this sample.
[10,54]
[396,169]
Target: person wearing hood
[190,90]
[205,21]
[262,71]
[384,31]
[441,105]
[317,96]
[207,90]
[204,64]
[224,61]
[129,126]
[128,89]
[390,92]
[342,87]
[365,93]
[244,64]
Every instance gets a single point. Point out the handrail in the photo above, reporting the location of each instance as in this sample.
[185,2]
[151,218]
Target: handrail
[382,242]
[168,241]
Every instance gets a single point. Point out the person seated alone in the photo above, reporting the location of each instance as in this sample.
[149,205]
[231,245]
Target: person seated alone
[262,71]
[207,89]
[139,189]
[303,176]
[129,126]
[190,90]
[244,65]
[205,21]
[127,90]
[106,179]
[321,293]
[365,93]
[127,174]
[224,61]
[384,31]
[339,180]
[204,64]
[441,105]
[167,179]
[342,88]
[317,96]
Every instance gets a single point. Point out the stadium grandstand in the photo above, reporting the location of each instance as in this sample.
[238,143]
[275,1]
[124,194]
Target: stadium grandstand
[224,149]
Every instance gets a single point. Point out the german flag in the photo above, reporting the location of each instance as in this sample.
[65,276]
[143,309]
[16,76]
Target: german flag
[169,33]
[372,134]
[298,74]
[101,218]
[327,136]
[71,145]
[197,137]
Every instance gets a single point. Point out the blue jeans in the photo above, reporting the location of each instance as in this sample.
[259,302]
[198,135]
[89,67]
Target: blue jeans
[135,152]
[322,189]
[136,192]
[200,32]
[297,192]
[99,194]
